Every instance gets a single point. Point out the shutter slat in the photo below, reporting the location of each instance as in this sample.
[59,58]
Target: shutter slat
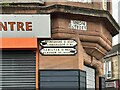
[17,69]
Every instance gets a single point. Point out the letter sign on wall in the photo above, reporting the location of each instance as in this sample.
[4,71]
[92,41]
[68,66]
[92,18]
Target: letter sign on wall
[78,25]
[25,26]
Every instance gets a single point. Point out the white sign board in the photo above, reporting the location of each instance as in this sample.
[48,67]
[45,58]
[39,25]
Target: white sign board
[111,84]
[58,51]
[78,25]
[58,43]
[25,26]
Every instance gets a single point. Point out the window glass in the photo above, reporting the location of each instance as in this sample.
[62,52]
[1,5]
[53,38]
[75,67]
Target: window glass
[22,1]
[107,69]
[105,4]
[82,1]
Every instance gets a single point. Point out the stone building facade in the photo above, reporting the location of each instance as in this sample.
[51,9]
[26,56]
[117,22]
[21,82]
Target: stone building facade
[111,68]
[90,24]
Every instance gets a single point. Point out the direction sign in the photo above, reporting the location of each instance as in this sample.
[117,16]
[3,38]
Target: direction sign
[58,43]
[58,51]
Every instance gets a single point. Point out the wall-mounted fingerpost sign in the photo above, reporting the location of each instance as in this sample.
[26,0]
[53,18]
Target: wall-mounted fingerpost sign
[58,51]
[58,47]
[58,43]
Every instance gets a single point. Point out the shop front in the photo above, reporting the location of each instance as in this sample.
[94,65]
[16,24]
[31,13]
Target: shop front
[19,39]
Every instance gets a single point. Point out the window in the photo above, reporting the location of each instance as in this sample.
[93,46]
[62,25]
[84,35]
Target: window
[107,69]
[105,4]
[102,85]
[82,1]
[22,1]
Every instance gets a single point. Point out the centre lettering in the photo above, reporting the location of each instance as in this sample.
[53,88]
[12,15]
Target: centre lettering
[12,26]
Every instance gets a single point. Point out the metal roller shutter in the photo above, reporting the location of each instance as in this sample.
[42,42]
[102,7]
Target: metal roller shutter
[17,70]
[62,80]
[90,77]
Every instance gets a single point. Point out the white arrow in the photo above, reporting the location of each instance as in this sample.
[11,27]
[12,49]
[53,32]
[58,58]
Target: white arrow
[58,43]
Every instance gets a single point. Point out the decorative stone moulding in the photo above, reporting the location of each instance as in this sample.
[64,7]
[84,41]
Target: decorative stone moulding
[88,4]
[94,46]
